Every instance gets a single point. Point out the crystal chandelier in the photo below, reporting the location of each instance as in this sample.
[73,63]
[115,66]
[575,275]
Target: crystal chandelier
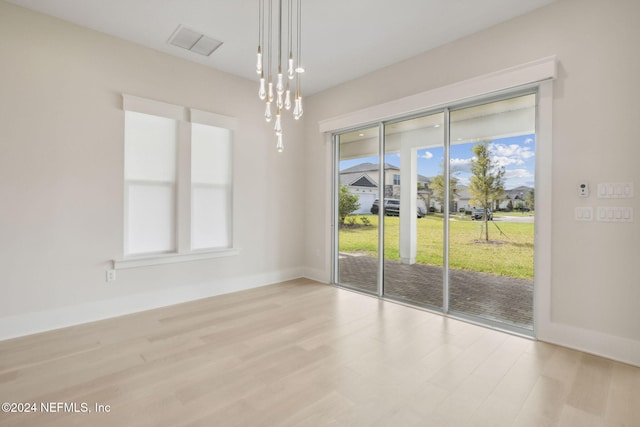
[278,97]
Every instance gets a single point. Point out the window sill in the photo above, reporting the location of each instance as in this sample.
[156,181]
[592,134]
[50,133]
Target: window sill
[160,259]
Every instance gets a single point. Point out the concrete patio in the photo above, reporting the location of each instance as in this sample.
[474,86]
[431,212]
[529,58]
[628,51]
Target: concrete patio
[499,298]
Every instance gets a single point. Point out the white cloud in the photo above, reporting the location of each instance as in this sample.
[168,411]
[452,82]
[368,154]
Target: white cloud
[514,151]
[512,157]
[427,155]
[517,177]
[504,161]
[461,165]
[461,162]
[528,141]
[517,174]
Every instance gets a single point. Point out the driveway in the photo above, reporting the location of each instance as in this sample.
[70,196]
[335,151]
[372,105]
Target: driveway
[515,218]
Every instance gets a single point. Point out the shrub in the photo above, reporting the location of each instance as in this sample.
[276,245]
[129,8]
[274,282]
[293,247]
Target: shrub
[347,203]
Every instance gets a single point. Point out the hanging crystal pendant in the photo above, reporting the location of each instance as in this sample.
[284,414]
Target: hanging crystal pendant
[279,143]
[259,61]
[287,98]
[267,112]
[297,109]
[290,69]
[280,84]
[262,93]
[278,124]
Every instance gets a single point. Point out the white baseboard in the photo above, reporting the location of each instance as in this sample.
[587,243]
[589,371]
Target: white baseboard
[600,344]
[31,323]
[317,275]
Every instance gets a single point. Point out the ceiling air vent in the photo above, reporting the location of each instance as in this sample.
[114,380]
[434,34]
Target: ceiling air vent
[194,41]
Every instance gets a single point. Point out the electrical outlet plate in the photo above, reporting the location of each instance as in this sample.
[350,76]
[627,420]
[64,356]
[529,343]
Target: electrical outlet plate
[584,213]
[111,275]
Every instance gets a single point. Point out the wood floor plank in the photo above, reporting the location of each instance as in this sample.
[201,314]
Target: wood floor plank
[571,416]
[623,401]
[590,389]
[544,404]
[301,353]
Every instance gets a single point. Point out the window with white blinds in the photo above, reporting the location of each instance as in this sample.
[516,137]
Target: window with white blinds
[210,187]
[178,179]
[150,183]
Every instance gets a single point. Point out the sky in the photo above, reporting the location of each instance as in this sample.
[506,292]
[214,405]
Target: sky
[516,154]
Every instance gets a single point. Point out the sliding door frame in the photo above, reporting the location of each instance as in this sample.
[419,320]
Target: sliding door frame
[335,239]
[381,125]
[381,206]
[491,98]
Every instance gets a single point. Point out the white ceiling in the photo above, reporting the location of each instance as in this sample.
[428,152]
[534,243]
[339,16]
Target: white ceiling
[342,39]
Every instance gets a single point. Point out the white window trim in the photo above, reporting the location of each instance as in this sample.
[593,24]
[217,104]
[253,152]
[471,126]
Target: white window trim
[504,80]
[159,259]
[185,116]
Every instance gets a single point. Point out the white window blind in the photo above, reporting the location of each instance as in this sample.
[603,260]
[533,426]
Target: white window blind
[210,187]
[150,183]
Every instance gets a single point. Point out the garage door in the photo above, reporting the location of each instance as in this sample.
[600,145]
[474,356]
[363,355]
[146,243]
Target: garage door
[366,201]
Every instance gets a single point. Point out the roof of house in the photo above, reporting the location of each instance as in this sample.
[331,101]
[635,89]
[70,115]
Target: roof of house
[362,181]
[514,193]
[374,167]
[368,167]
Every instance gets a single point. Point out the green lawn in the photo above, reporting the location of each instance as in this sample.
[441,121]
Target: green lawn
[510,254]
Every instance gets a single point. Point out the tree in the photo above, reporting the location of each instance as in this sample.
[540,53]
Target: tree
[531,199]
[510,205]
[438,190]
[487,181]
[423,194]
[347,203]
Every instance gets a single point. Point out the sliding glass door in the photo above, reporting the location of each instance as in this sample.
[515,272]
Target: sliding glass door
[413,226]
[492,223]
[437,210]
[357,187]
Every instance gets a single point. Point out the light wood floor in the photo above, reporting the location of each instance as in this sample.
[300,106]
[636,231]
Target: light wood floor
[302,353]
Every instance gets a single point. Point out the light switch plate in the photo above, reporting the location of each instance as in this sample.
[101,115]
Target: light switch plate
[614,214]
[615,190]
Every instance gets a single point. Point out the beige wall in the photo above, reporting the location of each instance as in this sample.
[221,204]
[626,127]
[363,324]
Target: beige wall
[61,169]
[595,285]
